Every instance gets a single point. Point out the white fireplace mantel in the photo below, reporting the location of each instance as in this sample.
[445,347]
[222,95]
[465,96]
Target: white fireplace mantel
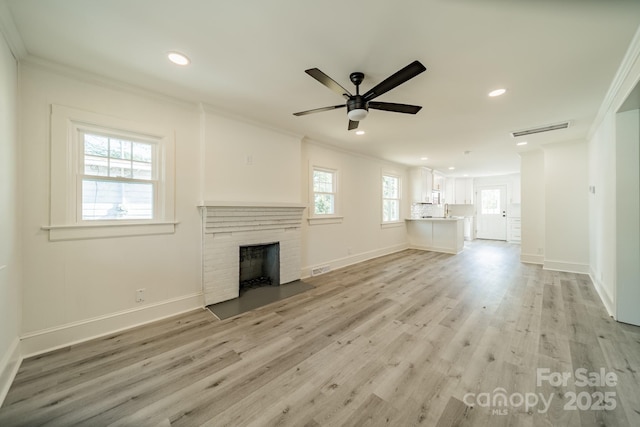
[228,225]
[251,204]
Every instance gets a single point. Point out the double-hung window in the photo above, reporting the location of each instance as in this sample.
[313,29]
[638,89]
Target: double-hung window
[118,177]
[324,191]
[390,198]
[109,176]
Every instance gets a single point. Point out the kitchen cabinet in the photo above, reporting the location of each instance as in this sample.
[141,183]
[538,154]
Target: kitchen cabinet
[436,234]
[468,228]
[438,188]
[421,184]
[438,181]
[464,191]
[515,229]
[449,190]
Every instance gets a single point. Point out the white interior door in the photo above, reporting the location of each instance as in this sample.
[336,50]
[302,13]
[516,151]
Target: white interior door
[492,212]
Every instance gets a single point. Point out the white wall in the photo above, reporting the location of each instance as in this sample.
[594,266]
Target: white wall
[359,235]
[602,213]
[74,290]
[604,230]
[249,163]
[628,216]
[10,300]
[78,289]
[566,207]
[555,208]
[532,206]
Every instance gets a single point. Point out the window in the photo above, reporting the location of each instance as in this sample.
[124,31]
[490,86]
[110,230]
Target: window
[490,202]
[324,191]
[109,177]
[117,177]
[390,198]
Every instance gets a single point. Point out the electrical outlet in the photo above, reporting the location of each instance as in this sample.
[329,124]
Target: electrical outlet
[140,295]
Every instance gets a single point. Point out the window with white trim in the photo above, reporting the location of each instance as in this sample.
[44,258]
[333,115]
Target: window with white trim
[109,176]
[390,198]
[324,191]
[118,177]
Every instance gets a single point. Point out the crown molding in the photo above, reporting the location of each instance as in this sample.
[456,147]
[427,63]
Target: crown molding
[333,147]
[211,109]
[103,81]
[10,32]
[618,92]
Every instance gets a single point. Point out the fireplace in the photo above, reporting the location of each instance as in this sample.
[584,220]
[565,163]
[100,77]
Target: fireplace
[229,226]
[259,266]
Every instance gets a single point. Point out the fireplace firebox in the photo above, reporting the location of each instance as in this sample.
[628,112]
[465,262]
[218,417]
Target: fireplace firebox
[259,266]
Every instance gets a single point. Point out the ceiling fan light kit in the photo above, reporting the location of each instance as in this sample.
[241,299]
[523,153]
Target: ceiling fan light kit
[358,105]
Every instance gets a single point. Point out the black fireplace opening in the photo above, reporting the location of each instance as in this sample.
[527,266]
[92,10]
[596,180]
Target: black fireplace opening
[259,265]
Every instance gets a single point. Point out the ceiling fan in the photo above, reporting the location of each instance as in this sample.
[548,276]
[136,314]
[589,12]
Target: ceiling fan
[358,105]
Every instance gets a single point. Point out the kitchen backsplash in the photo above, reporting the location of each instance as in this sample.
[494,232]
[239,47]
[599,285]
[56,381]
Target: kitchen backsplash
[422,210]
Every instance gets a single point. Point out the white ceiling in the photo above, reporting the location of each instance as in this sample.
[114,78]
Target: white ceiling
[557,59]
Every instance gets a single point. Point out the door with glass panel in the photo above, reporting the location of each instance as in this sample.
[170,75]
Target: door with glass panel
[492,212]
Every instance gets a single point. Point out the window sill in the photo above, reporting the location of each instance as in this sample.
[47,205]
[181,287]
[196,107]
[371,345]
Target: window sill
[392,224]
[318,220]
[101,231]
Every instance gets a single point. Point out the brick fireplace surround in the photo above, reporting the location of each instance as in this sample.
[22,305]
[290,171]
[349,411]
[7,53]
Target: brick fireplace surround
[228,225]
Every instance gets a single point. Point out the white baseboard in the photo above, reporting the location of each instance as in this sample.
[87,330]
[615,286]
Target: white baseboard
[532,259]
[46,340]
[602,293]
[354,259]
[435,249]
[9,366]
[569,267]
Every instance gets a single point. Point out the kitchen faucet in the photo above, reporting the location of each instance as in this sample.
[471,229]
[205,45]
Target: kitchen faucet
[446,210]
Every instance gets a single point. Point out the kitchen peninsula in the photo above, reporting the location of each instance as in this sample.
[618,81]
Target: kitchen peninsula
[436,234]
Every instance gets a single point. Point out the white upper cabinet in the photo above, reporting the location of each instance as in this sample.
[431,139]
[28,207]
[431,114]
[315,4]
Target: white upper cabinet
[449,190]
[464,191]
[438,188]
[421,184]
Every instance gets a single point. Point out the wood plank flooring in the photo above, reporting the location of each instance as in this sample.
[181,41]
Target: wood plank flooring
[413,338]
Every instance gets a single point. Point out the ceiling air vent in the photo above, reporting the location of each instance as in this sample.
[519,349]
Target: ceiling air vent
[540,129]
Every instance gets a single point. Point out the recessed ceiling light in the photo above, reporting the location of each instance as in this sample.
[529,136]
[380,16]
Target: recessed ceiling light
[178,58]
[466,174]
[497,92]
[522,143]
[424,158]
[359,132]
[451,168]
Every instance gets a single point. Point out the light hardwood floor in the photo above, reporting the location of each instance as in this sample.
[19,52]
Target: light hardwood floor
[399,340]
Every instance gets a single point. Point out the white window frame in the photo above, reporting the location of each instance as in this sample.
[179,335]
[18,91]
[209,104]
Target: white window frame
[316,218]
[397,221]
[66,192]
[82,175]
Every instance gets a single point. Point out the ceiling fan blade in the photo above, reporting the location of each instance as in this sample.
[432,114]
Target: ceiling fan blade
[353,125]
[397,108]
[328,82]
[318,110]
[396,79]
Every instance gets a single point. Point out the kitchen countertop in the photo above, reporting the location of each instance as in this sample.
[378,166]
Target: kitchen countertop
[453,218]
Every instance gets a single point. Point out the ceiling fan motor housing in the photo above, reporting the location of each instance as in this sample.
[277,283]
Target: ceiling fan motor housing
[357,102]
[357,108]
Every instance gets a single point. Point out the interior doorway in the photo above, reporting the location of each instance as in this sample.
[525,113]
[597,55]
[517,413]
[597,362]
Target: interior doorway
[491,211]
[627,258]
